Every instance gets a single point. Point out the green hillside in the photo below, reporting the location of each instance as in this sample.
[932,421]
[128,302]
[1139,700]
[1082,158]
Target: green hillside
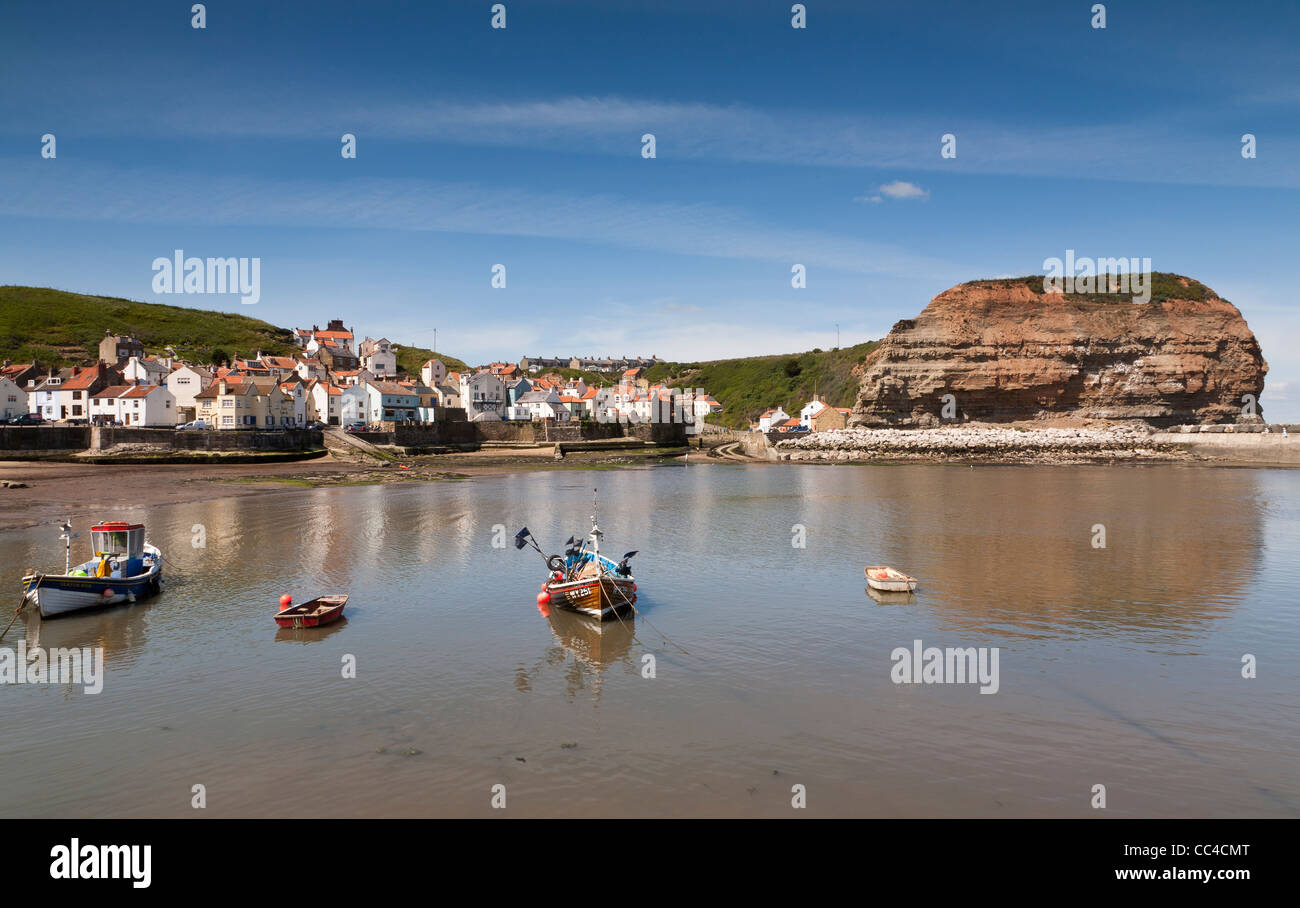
[411,359]
[62,329]
[747,387]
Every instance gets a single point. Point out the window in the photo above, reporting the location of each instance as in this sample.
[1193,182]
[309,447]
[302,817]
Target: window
[227,420]
[227,403]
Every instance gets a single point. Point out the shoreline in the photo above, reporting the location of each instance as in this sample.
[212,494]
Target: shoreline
[52,490]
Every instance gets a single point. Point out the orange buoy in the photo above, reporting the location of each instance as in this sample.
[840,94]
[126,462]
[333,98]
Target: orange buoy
[544,603]
[634,587]
[109,593]
[285,601]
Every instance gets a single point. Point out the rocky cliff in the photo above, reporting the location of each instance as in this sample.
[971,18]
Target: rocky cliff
[1005,351]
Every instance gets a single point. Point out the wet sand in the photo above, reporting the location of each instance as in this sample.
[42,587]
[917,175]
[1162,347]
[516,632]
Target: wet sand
[57,490]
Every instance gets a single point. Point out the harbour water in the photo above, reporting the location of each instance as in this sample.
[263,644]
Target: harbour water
[1119,666]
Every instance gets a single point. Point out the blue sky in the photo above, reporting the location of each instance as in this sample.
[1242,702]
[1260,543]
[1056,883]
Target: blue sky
[522,146]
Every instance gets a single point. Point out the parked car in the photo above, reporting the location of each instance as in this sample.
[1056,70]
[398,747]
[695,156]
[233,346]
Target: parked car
[315,425]
[27,419]
[196,424]
[355,427]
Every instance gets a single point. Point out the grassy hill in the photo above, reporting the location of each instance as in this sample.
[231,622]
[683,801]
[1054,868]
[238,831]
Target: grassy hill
[61,329]
[411,359]
[747,387]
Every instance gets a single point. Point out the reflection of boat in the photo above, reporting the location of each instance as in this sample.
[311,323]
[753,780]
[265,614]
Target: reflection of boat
[314,613]
[593,642]
[884,578]
[888,597]
[125,568]
[315,635]
[583,580]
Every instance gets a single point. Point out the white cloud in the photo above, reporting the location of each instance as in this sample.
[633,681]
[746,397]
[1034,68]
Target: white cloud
[898,189]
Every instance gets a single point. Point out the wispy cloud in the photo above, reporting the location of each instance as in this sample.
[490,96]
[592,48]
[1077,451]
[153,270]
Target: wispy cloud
[1154,148]
[139,196]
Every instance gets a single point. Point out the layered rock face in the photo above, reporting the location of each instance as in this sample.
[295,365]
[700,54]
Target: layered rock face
[1007,351]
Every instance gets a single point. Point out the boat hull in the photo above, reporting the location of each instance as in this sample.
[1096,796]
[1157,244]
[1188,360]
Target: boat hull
[316,613]
[605,599]
[57,595]
[888,580]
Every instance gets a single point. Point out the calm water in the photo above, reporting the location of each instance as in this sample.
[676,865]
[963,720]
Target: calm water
[1118,666]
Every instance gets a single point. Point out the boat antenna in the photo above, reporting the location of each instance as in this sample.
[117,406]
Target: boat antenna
[65,533]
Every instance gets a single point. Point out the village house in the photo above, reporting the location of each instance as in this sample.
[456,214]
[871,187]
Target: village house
[310,368]
[117,349]
[24,375]
[13,399]
[134,405]
[279,366]
[65,395]
[771,418]
[539,405]
[294,412]
[700,406]
[323,402]
[517,390]
[389,402]
[248,404]
[427,401]
[379,358]
[353,404]
[334,334]
[433,373]
[145,370]
[482,395]
[186,381]
[819,416]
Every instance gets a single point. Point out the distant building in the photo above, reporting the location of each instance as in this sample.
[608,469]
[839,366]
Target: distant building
[379,358]
[482,395]
[13,399]
[771,418]
[134,405]
[117,349]
[433,373]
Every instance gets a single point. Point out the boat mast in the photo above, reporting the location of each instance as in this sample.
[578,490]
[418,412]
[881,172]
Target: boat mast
[66,536]
[595,530]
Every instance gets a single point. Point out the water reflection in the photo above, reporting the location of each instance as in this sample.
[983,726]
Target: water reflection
[121,630]
[309,634]
[586,650]
[788,665]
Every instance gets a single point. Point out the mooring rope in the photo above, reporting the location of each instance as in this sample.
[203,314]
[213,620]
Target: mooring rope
[630,603]
[22,605]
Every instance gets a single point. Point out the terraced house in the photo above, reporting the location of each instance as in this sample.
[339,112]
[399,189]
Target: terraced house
[247,404]
[390,402]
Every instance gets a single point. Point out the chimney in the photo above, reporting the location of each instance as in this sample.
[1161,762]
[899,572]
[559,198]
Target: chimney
[221,386]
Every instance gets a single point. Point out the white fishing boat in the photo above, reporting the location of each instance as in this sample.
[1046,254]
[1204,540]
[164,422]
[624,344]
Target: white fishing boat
[125,569]
[887,580]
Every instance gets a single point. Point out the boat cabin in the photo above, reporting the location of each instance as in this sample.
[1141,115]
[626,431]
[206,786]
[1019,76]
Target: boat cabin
[122,541]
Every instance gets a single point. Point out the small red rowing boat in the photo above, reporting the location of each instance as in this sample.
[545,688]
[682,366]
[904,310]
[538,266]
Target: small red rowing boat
[319,611]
